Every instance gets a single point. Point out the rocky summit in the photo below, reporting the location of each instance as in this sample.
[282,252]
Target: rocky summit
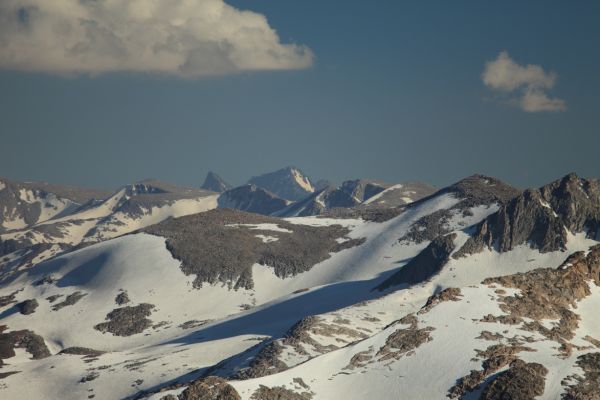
[215,183]
[284,289]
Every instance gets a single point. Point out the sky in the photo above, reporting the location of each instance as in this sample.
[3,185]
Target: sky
[108,93]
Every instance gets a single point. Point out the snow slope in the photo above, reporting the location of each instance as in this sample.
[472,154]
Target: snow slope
[328,332]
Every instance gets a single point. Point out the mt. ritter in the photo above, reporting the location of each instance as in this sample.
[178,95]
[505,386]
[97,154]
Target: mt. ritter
[284,288]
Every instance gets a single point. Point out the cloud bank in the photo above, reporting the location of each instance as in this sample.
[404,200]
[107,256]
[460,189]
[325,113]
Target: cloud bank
[186,38]
[526,85]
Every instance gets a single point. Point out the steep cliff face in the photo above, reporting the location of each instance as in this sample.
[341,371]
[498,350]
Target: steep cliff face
[541,218]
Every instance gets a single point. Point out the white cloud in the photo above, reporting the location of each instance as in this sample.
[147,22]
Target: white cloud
[526,84]
[535,100]
[188,38]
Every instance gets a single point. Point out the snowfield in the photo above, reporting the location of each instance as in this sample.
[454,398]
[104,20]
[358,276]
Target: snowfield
[118,316]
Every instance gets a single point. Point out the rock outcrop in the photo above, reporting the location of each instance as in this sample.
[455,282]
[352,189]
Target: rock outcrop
[424,265]
[522,381]
[209,388]
[222,245]
[541,218]
[127,321]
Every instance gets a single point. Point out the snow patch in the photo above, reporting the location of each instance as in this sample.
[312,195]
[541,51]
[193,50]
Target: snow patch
[302,181]
[262,227]
[390,189]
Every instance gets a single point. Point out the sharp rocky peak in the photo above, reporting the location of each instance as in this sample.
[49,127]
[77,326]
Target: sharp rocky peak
[541,218]
[215,183]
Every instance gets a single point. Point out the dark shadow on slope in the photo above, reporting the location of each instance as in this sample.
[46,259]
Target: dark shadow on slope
[171,384]
[84,273]
[78,276]
[475,394]
[8,312]
[274,318]
[424,265]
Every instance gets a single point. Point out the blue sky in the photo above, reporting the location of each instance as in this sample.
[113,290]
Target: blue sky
[394,92]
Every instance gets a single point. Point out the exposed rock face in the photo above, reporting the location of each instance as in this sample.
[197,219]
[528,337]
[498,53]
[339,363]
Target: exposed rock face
[551,294]
[122,298]
[222,245]
[424,265]
[8,299]
[215,183]
[252,198]
[278,393]
[429,227]
[28,306]
[405,340]
[541,218]
[288,183]
[127,321]
[372,214]
[475,190]
[587,387]
[522,381]
[25,339]
[265,362]
[299,337]
[209,388]
[450,294]
[82,351]
[480,189]
[495,357]
[69,300]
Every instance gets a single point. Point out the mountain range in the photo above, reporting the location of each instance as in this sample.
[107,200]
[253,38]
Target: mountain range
[282,288]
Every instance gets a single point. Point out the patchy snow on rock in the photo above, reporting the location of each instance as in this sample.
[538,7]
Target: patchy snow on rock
[267,239]
[263,227]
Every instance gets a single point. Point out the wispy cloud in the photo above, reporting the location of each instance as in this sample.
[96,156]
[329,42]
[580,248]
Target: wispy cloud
[526,85]
[174,37]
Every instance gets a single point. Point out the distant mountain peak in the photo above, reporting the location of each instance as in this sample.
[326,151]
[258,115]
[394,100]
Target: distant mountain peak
[288,183]
[252,198]
[215,183]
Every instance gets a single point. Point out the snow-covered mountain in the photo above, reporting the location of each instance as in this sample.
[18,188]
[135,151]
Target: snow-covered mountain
[359,193]
[66,225]
[24,205]
[288,183]
[477,291]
